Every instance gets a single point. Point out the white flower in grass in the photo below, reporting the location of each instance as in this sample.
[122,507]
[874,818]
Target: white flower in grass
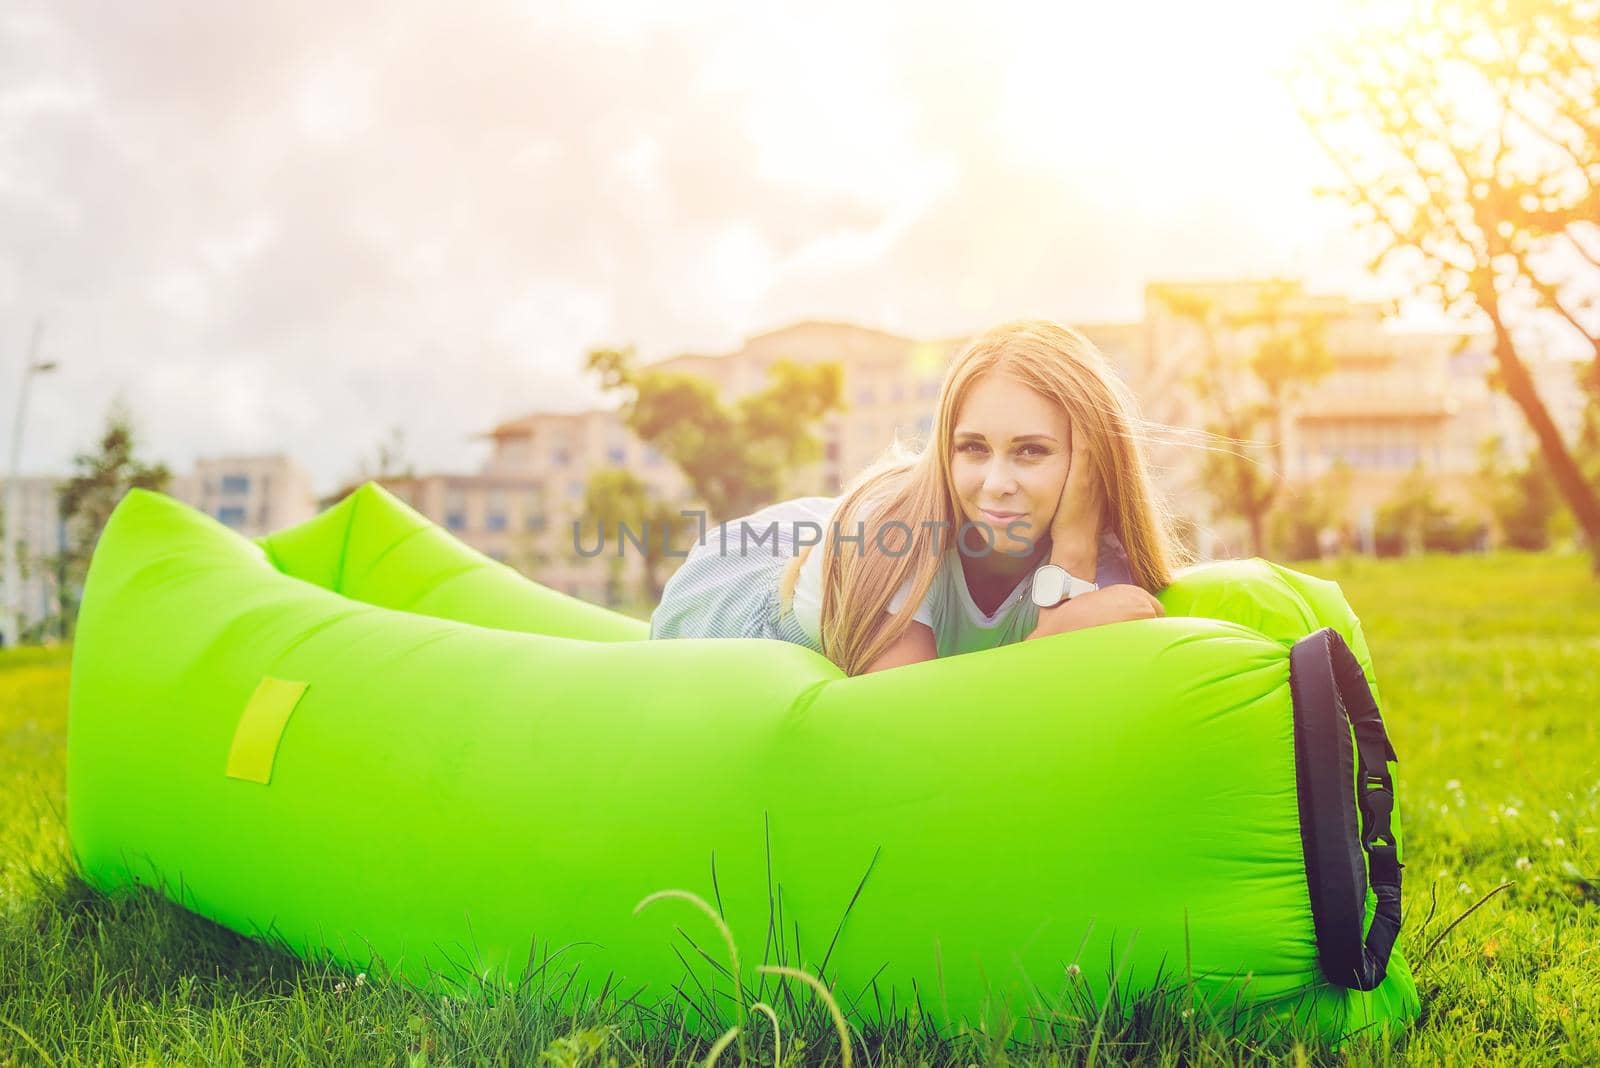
[1523,863]
[1073,970]
[1453,784]
[361,979]
[1464,889]
[338,988]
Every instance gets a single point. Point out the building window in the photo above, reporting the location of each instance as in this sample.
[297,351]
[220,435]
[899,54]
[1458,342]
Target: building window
[925,425]
[455,508]
[866,395]
[235,483]
[497,555]
[575,489]
[928,389]
[897,393]
[495,513]
[617,455]
[533,509]
[652,458]
[231,515]
[561,457]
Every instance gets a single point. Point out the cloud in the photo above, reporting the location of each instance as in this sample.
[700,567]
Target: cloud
[293,225]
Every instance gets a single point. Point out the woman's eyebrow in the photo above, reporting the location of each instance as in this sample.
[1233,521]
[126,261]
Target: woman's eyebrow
[1019,437]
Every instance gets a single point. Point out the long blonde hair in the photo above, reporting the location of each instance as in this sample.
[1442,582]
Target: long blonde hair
[918,488]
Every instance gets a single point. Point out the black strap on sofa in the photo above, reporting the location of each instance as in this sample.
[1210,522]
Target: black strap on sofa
[1342,757]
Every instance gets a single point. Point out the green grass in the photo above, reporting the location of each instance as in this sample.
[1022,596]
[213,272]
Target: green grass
[1490,676]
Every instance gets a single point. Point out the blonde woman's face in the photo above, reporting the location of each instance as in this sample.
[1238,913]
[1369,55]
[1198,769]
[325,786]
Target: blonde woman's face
[1009,456]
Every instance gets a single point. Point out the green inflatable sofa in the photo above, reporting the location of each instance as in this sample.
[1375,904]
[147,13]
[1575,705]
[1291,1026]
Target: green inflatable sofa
[370,743]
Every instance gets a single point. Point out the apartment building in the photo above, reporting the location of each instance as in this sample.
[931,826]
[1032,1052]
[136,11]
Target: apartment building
[36,534]
[520,519]
[252,494]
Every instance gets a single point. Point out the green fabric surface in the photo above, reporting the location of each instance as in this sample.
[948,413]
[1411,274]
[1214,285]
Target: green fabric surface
[482,770]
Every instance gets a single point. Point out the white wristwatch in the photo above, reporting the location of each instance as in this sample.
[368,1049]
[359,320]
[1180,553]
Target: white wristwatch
[1053,584]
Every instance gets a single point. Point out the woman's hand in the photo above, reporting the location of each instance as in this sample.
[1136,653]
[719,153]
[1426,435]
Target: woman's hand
[1111,604]
[1075,527]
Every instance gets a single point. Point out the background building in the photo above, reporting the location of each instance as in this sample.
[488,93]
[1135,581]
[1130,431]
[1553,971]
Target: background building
[37,534]
[252,494]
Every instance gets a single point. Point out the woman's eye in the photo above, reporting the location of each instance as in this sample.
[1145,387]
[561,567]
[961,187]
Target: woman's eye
[969,446]
[1033,450]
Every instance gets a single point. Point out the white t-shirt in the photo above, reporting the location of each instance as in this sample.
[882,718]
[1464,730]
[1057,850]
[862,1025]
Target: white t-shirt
[958,624]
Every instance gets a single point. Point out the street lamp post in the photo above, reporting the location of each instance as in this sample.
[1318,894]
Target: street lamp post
[8,533]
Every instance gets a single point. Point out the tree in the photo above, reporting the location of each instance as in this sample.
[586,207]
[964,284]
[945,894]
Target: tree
[1522,498]
[389,459]
[1317,508]
[615,498]
[1468,140]
[1413,520]
[736,458]
[1252,365]
[85,502]
[387,462]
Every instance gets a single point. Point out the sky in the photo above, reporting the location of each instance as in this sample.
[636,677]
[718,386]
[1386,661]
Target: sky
[293,226]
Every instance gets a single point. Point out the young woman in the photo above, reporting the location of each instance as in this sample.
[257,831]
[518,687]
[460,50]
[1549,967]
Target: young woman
[1034,460]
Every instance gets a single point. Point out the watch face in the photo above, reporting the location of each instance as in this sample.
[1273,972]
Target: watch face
[1049,585]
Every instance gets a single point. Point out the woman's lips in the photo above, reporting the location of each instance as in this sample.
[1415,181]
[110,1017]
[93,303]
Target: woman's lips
[1000,517]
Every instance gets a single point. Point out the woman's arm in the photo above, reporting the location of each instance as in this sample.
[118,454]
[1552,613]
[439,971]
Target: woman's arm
[912,647]
[1113,604]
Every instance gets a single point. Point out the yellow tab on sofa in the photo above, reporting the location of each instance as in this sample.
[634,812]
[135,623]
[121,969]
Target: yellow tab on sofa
[255,740]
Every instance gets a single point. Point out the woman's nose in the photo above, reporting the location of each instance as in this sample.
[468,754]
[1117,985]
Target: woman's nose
[999,479]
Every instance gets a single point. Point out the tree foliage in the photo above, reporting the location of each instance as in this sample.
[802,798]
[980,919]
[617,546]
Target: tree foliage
[735,457]
[1467,134]
[1309,512]
[85,501]
[1521,497]
[1414,520]
[1252,365]
[616,498]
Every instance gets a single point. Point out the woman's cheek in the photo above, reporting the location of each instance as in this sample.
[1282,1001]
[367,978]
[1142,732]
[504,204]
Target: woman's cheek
[1054,484]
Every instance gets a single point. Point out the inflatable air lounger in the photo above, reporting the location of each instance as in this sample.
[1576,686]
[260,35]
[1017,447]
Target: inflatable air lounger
[368,742]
